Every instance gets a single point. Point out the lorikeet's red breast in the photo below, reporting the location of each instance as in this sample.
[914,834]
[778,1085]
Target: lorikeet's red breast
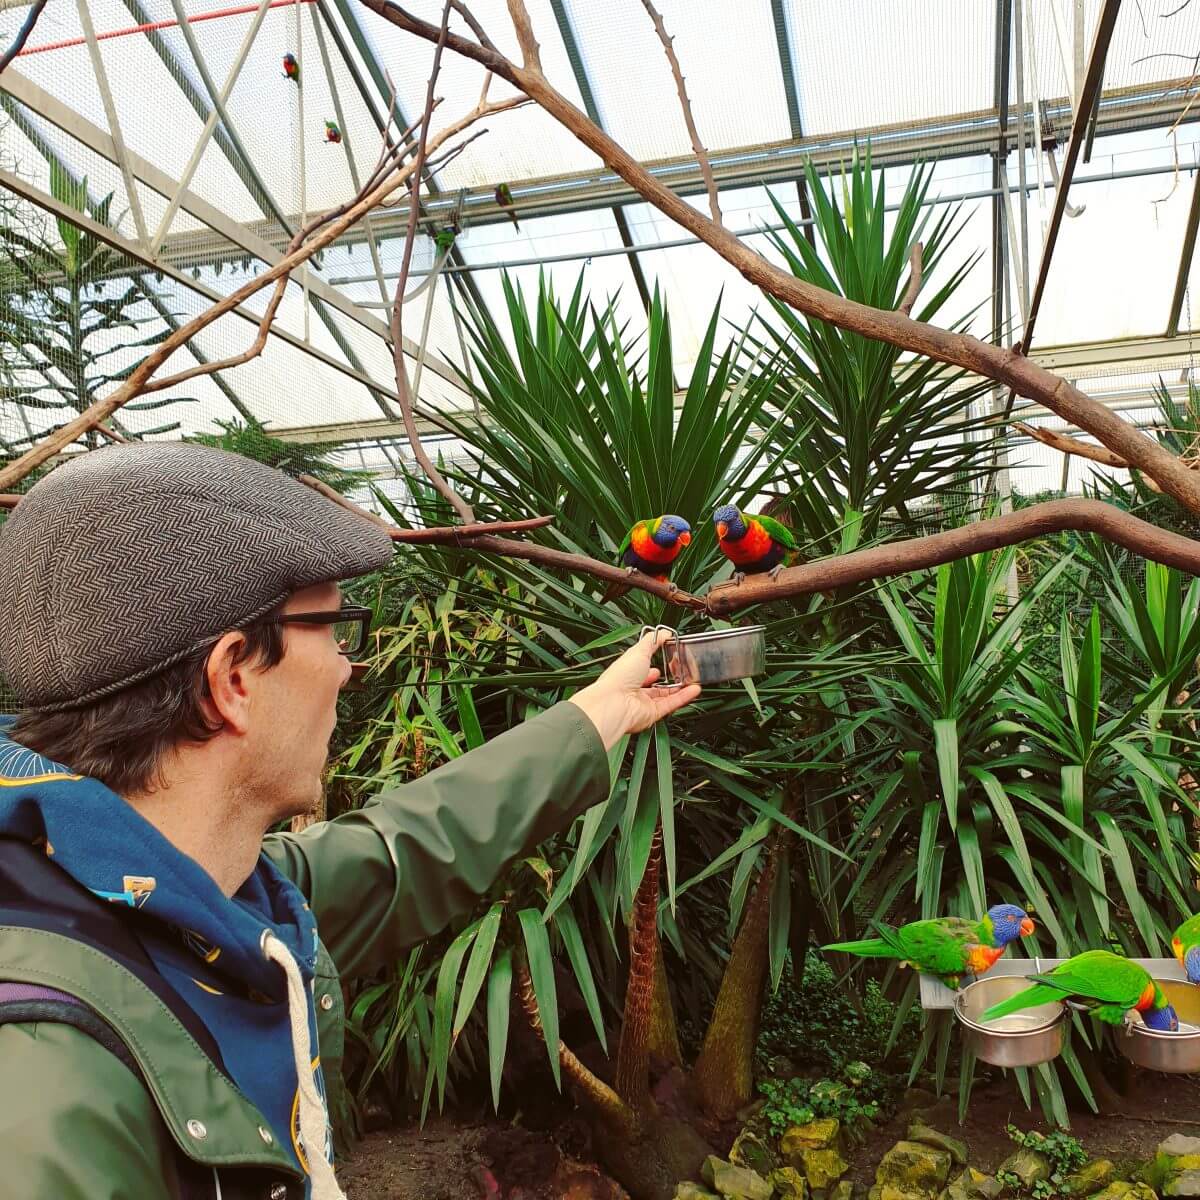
[755,545]
[648,550]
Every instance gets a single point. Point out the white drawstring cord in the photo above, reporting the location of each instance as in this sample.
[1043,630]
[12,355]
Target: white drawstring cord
[314,1120]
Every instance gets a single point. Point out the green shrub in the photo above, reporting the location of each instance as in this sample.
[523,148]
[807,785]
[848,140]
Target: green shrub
[1065,1153]
[856,1098]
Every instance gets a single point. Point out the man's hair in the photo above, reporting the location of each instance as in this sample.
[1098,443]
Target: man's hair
[123,739]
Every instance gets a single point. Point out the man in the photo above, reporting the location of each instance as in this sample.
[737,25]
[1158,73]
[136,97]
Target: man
[171,622]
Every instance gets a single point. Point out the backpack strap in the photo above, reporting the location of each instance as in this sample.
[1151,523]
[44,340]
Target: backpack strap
[27,1002]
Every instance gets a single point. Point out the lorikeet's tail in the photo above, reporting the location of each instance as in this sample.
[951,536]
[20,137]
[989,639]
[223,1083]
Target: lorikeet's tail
[866,948]
[1040,993]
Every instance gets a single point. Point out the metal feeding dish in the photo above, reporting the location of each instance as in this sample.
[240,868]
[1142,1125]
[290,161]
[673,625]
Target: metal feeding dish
[1177,1053]
[715,656]
[1021,1039]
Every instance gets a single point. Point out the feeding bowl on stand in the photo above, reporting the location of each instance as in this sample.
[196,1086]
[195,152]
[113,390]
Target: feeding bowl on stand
[1175,1053]
[1021,1039]
[715,656]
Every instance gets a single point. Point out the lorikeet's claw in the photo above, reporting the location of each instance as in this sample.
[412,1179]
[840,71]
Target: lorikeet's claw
[773,573]
[672,587]
[739,577]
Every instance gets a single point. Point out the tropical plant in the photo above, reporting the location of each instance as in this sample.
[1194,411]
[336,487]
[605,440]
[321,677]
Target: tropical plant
[72,321]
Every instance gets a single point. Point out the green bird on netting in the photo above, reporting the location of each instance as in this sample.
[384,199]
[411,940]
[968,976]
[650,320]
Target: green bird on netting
[504,198]
[444,238]
[947,947]
[1108,985]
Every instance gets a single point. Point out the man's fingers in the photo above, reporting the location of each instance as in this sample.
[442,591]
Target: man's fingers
[669,701]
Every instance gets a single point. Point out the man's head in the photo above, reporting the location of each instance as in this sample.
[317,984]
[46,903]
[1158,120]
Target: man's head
[147,597]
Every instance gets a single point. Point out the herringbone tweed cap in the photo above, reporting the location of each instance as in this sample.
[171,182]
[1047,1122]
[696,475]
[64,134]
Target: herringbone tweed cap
[124,560]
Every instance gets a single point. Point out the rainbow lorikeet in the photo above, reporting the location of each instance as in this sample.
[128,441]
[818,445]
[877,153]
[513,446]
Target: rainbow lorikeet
[504,198]
[948,947]
[444,238]
[1108,985]
[1186,947]
[754,544]
[332,132]
[291,68]
[651,546]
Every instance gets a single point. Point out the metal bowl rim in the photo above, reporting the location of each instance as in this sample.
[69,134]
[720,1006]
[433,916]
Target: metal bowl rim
[990,1030]
[1137,1029]
[713,635]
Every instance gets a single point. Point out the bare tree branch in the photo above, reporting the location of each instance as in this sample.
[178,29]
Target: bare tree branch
[1020,374]
[899,558]
[1069,445]
[477,29]
[403,391]
[706,171]
[137,382]
[531,53]
[914,279]
[18,43]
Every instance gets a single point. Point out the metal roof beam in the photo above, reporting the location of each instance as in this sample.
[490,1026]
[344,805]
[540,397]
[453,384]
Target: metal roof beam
[1185,260]
[787,69]
[1079,127]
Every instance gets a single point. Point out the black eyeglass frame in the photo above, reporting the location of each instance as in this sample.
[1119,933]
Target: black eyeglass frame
[348,613]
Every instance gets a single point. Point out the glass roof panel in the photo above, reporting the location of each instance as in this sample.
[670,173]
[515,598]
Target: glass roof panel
[721,49]
[880,62]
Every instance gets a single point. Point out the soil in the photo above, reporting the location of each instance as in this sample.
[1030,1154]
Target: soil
[445,1160]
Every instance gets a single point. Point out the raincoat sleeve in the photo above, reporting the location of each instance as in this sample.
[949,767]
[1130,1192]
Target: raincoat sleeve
[76,1123]
[402,867]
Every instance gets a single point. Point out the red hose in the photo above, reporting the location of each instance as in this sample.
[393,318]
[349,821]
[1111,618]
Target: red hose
[150,26]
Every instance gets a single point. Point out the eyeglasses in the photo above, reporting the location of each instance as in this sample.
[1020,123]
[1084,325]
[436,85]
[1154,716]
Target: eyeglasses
[351,625]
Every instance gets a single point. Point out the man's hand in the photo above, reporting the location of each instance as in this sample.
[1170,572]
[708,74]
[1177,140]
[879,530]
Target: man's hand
[622,700]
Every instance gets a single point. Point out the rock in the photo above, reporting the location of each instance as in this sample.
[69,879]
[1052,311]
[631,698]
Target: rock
[1176,1169]
[749,1150]
[693,1191]
[739,1182]
[912,1171]
[1121,1190]
[750,1111]
[842,1190]
[822,1134]
[1028,1166]
[918,1132]
[789,1183]
[974,1185]
[1089,1179]
[822,1168]
[708,1168]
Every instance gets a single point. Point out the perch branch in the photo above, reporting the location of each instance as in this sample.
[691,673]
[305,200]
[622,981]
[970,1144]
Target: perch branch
[403,391]
[1020,374]
[477,29]
[914,279]
[706,171]
[136,383]
[531,53]
[1069,445]
[899,558]
[18,43]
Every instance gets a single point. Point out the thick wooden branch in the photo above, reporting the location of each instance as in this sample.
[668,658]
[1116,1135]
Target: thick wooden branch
[899,558]
[914,279]
[1020,374]
[531,52]
[140,377]
[702,160]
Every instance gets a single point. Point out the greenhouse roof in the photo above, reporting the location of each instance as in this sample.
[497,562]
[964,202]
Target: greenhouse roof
[214,157]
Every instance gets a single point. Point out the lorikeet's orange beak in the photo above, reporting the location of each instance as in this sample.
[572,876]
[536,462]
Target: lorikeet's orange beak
[1177,947]
[1027,927]
[685,539]
[722,529]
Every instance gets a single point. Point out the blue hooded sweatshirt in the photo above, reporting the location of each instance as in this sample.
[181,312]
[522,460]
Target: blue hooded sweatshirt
[206,945]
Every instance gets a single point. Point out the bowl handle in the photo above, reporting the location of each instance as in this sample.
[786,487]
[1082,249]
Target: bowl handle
[666,681]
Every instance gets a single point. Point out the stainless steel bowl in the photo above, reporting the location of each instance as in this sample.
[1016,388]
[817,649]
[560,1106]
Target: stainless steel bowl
[715,656]
[1022,1039]
[1175,1053]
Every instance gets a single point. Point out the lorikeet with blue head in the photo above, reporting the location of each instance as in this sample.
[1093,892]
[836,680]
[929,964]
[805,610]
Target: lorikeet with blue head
[445,238]
[947,947]
[1106,984]
[332,132]
[291,68]
[504,198]
[1186,947]
[754,544]
[651,546]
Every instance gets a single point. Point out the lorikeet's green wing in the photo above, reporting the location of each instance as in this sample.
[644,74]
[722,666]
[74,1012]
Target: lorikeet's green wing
[1101,976]
[629,538]
[780,532]
[939,946]
[1189,932]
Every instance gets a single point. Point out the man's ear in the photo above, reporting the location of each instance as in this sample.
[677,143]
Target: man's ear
[229,672]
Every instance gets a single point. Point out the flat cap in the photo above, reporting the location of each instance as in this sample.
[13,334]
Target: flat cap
[124,560]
